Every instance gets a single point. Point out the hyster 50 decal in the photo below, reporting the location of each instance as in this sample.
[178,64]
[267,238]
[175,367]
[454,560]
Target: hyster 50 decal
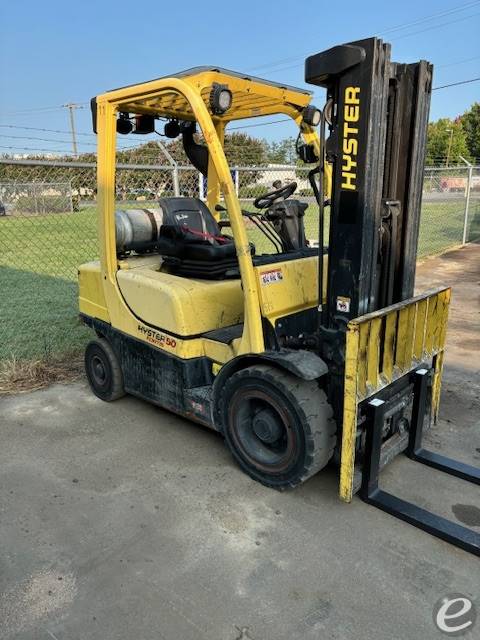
[155,337]
[351,115]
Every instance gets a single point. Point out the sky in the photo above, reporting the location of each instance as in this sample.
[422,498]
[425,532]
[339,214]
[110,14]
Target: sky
[56,52]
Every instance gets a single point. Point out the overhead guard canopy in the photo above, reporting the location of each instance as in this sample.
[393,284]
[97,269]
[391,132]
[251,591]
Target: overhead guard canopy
[251,96]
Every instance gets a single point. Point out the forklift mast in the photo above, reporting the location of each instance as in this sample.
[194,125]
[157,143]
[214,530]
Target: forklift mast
[377,114]
[378,124]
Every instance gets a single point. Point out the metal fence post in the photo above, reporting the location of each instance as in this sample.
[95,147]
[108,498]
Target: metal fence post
[237,181]
[35,198]
[467,198]
[176,183]
[174,165]
[467,204]
[70,197]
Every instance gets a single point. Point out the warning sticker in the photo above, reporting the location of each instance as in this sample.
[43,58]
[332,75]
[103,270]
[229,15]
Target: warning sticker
[343,304]
[268,277]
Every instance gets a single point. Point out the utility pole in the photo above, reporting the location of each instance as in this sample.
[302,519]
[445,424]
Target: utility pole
[71,107]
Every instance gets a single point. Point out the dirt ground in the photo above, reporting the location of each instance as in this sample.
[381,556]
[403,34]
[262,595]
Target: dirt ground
[121,521]
[460,403]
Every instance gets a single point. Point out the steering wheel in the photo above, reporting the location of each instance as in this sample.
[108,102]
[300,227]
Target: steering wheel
[265,201]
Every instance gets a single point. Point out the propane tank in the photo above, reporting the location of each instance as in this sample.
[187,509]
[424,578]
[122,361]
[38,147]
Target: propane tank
[137,229]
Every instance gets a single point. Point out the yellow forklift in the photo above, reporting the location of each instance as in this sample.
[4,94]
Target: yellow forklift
[304,354]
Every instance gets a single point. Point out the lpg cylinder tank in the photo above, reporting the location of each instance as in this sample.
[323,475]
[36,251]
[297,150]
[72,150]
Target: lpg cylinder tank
[137,229]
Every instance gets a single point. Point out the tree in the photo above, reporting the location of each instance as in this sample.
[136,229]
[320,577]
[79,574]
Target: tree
[446,141]
[471,125]
[244,150]
[282,152]
[240,150]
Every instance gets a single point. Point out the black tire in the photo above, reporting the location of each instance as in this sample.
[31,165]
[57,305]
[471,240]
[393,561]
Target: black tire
[278,427]
[103,370]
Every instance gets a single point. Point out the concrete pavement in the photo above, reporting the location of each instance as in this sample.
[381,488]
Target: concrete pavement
[122,521]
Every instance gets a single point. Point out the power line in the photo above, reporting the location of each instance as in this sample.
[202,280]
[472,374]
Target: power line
[37,149]
[60,151]
[55,141]
[16,126]
[440,14]
[57,150]
[454,84]
[29,112]
[260,124]
[2,135]
[437,26]
[453,64]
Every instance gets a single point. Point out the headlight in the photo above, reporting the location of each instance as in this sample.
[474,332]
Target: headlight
[220,99]
[328,111]
[311,116]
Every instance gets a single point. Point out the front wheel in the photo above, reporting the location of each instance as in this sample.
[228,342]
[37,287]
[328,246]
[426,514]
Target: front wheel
[278,427]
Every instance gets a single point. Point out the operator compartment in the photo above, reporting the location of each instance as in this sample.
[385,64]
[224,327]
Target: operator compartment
[183,276]
[178,272]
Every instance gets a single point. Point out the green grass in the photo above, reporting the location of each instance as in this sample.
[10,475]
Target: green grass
[52,245]
[39,257]
[39,317]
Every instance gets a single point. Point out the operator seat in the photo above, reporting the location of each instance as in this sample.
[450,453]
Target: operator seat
[191,242]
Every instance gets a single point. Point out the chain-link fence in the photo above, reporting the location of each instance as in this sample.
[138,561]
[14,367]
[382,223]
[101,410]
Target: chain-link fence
[48,227]
[450,208]
[35,198]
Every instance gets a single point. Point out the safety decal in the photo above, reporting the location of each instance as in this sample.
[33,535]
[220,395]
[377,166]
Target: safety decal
[343,304]
[268,277]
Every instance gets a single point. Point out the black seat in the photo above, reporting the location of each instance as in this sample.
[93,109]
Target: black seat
[189,212]
[192,243]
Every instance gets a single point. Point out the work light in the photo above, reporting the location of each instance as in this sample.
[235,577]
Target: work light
[144,124]
[171,129]
[311,115]
[124,124]
[220,99]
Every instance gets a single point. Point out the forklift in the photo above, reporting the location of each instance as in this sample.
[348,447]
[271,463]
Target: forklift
[303,355]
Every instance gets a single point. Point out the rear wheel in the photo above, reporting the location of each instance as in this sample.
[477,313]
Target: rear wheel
[103,370]
[278,427]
